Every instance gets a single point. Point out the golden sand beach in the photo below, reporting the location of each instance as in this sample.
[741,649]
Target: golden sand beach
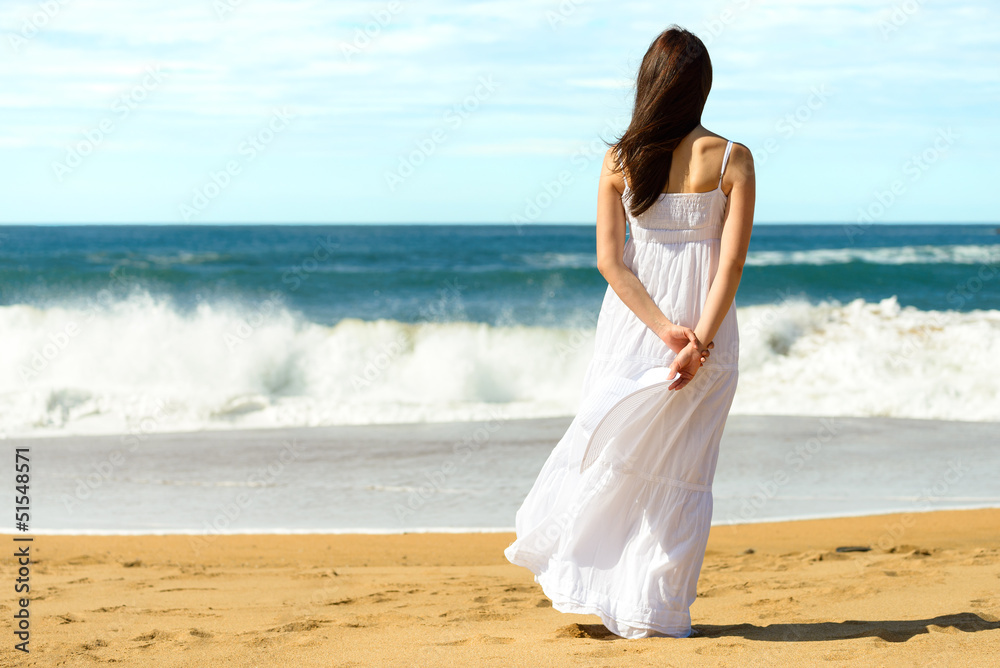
[770,594]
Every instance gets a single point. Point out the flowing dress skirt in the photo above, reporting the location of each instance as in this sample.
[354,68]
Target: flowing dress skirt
[617,520]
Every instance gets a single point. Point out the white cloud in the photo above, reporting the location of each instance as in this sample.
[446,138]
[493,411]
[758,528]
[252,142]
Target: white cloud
[556,84]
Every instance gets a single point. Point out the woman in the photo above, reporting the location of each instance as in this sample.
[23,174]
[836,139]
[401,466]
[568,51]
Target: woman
[617,522]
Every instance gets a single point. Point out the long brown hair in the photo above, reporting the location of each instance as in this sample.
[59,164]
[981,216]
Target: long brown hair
[671,89]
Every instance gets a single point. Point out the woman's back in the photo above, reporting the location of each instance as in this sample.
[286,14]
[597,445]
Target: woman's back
[685,216]
[673,249]
[696,164]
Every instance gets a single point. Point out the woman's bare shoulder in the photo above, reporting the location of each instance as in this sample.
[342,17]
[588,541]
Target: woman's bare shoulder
[740,161]
[611,171]
[709,143]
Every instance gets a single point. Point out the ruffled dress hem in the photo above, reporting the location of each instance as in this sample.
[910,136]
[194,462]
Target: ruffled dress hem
[631,626]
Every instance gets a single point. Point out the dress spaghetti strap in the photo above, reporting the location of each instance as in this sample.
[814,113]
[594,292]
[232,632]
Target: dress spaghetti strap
[725,159]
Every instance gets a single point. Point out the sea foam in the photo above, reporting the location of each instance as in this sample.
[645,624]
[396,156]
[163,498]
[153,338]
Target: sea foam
[141,364]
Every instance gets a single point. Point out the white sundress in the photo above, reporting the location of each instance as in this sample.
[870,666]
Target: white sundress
[617,521]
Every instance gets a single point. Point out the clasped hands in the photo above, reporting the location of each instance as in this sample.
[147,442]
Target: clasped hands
[691,354]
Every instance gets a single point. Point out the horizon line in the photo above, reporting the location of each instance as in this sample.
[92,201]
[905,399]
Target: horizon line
[447,223]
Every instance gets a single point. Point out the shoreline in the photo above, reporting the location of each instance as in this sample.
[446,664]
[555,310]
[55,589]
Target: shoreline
[279,431]
[775,593]
[462,530]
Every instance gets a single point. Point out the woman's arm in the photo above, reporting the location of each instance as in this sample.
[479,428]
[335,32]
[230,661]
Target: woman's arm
[734,243]
[611,247]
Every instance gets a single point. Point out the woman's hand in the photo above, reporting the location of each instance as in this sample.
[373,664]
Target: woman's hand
[706,351]
[687,362]
[677,337]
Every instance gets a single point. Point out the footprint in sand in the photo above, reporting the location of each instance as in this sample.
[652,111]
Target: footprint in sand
[381,596]
[981,557]
[619,651]
[519,588]
[826,555]
[342,601]
[719,649]
[919,553]
[840,655]
[83,560]
[154,635]
[480,639]
[743,587]
[295,627]
[592,631]
[785,602]
[983,605]
[476,615]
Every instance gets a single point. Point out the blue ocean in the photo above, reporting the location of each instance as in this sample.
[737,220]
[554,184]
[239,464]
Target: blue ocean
[110,329]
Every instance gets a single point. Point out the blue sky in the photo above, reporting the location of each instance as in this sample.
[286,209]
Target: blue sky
[208,111]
